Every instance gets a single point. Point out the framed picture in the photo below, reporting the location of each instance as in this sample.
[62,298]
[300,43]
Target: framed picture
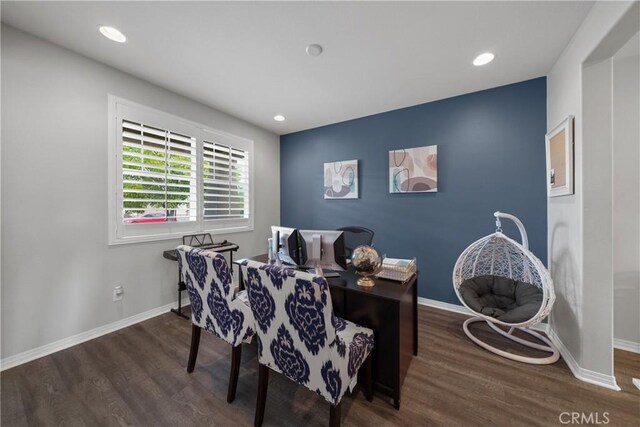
[341,180]
[559,147]
[414,170]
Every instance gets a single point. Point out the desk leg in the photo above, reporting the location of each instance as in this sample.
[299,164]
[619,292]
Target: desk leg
[415,318]
[178,311]
[181,287]
[240,281]
[396,381]
[344,307]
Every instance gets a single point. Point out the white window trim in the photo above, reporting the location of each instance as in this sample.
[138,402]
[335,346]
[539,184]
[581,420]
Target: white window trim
[215,227]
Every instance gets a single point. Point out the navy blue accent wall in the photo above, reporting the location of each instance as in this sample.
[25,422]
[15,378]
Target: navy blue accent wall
[491,156]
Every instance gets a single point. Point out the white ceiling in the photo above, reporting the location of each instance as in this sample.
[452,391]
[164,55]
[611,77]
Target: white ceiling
[248,58]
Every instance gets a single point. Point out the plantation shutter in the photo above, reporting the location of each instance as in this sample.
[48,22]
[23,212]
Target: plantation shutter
[159,181]
[225,181]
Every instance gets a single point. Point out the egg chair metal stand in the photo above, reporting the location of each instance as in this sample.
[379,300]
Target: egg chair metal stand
[499,256]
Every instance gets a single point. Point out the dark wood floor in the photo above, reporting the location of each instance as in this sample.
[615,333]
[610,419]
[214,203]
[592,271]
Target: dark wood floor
[137,376]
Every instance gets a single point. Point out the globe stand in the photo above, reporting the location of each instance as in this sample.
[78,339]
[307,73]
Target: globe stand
[366,282]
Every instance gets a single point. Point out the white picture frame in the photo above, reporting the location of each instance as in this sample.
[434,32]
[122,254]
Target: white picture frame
[560,158]
[341,180]
[413,170]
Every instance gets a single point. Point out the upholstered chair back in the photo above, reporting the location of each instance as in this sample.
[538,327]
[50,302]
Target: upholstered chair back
[297,330]
[209,284]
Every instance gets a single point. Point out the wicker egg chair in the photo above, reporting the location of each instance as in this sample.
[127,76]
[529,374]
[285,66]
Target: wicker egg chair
[504,284]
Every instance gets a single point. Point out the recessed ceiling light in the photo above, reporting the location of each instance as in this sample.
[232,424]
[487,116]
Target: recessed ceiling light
[112,34]
[483,59]
[314,50]
[278,118]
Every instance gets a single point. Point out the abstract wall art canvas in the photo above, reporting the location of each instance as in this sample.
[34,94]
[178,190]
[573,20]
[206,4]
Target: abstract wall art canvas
[341,180]
[414,170]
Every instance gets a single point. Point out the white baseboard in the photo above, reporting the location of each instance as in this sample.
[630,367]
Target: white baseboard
[445,306]
[626,345]
[602,380]
[36,353]
[541,327]
[579,372]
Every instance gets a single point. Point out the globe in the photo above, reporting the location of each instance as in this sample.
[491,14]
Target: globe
[367,262]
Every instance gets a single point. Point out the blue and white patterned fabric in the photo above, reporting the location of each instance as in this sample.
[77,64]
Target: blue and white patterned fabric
[298,335]
[208,280]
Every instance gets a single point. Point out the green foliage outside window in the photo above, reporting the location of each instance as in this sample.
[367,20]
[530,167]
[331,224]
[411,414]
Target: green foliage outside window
[151,191]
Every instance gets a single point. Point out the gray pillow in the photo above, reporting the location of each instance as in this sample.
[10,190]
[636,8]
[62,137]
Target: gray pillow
[505,299]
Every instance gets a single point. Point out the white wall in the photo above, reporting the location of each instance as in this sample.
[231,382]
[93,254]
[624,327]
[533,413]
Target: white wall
[575,301]
[597,213]
[626,197]
[58,272]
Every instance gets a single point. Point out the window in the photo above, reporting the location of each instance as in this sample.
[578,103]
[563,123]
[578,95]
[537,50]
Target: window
[169,176]
[158,175]
[226,181]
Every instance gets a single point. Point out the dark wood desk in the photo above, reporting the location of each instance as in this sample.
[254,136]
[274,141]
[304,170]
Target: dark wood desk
[390,309]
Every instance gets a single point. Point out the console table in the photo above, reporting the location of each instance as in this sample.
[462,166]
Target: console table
[172,255]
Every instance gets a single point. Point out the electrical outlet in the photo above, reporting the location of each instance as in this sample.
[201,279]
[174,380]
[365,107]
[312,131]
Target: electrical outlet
[118,293]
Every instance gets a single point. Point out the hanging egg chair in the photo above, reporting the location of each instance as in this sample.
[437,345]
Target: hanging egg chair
[505,285]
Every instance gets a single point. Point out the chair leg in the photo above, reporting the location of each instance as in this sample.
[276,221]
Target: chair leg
[236,356]
[367,371]
[334,415]
[195,343]
[263,382]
